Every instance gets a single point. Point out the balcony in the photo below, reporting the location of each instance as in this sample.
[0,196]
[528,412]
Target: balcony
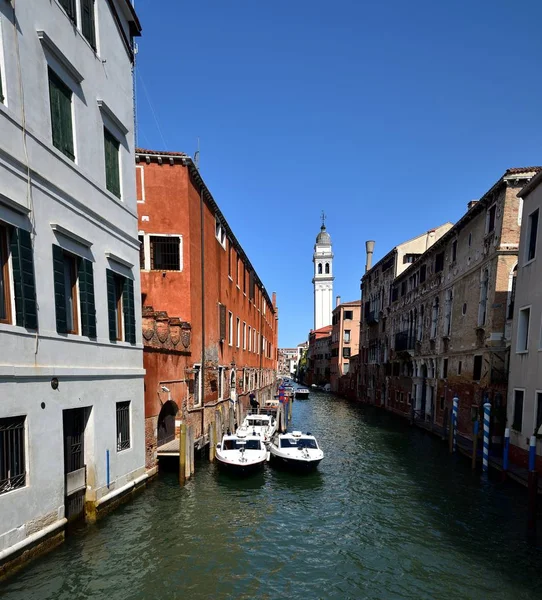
[372,317]
[404,341]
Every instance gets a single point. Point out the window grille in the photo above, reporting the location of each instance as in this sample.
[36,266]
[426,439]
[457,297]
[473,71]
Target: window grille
[123,425]
[12,458]
[165,253]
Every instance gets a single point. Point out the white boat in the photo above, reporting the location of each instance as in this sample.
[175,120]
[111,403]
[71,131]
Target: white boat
[302,393]
[259,424]
[240,453]
[296,450]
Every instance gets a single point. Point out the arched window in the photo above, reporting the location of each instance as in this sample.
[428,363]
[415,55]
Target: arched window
[232,379]
[420,323]
[319,268]
[327,268]
[448,314]
[434,319]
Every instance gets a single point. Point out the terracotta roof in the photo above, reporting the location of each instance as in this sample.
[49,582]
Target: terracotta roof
[324,329]
[158,152]
[353,303]
[519,170]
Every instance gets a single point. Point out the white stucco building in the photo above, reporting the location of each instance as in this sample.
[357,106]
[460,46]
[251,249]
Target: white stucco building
[524,406]
[71,375]
[323,279]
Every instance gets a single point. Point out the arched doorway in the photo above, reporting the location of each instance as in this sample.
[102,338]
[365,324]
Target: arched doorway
[166,423]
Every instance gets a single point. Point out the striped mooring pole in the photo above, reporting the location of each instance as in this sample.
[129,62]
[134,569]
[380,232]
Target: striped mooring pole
[455,408]
[505,452]
[485,455]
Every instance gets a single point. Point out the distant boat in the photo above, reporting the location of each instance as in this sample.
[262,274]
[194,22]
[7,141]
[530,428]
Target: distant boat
[302,393]
[296,451]
[262,425]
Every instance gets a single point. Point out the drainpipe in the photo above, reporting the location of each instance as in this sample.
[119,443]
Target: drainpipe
[202,370]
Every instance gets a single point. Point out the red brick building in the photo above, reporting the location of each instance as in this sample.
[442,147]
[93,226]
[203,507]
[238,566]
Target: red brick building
[319,356]
[210,328]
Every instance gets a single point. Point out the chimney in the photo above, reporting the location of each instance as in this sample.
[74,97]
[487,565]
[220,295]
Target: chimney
[337,301]
[369,248]
[471,204]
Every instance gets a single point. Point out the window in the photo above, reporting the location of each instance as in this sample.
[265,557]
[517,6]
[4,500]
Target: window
[403,288]
[230,329]
[87,22]
[70,293]
[454,250]
[230,260]
[409,258]
[439,262]
[112,170]
[197,385]
[470,239]
[459,366]
[238,339]
[532,232]
[123,426]
[423,273]
[60,99]
[244,336]
[69,7]
[346,352]
[220,233]
[239,265]
[477,368]
[512,298]
[464,309]
[518,410]
[490,218]
[221,382]
[249,338]
[348,315]
[484,284]
[445,368]
[319,268]
[327,268]
[5,290]
[12,457]
[165,252]
[434,318]
[141,239]
[120,304]
[448,313]
[347,336]
[346,368]
[538,424]
[222,322]
[523,330]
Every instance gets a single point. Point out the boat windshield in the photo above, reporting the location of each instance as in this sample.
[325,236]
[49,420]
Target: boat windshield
[258,422]
[307,443]
[288,443]
[246,444]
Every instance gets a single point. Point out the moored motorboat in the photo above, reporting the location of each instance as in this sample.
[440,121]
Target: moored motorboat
[302,393]
[296,450]
[263,425]
[240,453]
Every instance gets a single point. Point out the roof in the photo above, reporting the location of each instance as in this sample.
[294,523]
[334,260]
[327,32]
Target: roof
[325,329]
[534,183]
[187,161]
[521,170]
[323,237]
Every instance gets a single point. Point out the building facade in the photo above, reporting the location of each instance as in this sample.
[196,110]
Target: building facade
[524,407]
[287,362]
[445,328]
[344,339]
[319,356]
[210,327]
[71,380]
[323,279]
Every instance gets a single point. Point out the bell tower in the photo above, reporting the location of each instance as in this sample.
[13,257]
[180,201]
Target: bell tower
[323,277]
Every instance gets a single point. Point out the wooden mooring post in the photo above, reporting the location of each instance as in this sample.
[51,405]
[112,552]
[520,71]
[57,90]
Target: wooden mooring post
[182,454]
[212,441]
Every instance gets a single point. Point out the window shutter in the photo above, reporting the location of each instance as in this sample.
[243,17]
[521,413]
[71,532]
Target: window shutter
[23,278]
[129,312]
[86,295]
[60,289]
[111,304]
[222,309]
[87,22]
[69,7]
[112,176]
[60,98]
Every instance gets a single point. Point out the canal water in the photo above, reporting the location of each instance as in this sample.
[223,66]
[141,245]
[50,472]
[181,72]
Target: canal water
[388,515]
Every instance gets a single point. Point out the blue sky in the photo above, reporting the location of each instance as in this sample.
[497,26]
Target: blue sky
[389,116]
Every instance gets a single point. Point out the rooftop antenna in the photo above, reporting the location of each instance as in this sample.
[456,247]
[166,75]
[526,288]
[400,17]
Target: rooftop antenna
[196,157]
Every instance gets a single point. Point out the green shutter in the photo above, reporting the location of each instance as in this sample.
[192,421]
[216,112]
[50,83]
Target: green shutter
[111,304]
[129,312]
[60,290]
[60,98]
[69,7]
[87,22]
[86,296]
[112,175]
[22,260]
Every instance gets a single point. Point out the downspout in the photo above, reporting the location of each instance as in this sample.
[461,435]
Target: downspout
[202,370]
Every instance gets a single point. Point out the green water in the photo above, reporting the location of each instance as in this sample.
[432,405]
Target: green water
[388,515]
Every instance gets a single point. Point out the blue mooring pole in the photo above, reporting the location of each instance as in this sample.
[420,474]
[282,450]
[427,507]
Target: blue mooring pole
[532,453]
[455,408]
[107,467]
[485,455]
[505,452]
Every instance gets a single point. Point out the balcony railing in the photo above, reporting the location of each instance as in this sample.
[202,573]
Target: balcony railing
[404,341]
[372,317]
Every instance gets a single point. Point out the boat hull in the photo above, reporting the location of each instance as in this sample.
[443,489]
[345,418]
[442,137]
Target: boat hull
[242,469]
[294,464]
[301,395]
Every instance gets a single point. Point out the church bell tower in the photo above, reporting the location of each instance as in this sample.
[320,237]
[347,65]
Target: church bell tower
[323,277]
